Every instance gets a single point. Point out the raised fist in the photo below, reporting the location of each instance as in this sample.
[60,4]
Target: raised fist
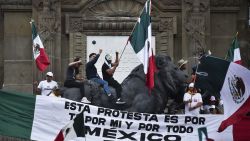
[100,51]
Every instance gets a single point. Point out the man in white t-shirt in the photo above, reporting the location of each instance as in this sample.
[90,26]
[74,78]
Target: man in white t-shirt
[45,87]
[192,100]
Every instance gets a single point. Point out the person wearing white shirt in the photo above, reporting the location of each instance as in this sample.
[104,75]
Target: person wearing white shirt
[46,87]
[193,101]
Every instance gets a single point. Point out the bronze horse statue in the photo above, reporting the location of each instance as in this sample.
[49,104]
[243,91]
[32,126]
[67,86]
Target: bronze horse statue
[168,80]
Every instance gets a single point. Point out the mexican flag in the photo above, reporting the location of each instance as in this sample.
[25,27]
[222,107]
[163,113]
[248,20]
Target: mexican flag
[41,58]
[141,42]
[74,129]
[34,117]
[233,54]
[233,83]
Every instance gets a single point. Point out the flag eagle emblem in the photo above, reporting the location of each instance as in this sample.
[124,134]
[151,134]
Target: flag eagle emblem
[237,88]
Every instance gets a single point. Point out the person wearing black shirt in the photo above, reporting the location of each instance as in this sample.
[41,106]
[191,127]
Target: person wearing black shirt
[92,74]
[108,69]
[71,76]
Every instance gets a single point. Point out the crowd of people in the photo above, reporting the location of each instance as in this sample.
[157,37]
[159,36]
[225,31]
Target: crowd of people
[195,101]
[49,87]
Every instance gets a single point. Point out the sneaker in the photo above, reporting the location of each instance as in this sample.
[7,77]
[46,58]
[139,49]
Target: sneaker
[120,101]
[85,100]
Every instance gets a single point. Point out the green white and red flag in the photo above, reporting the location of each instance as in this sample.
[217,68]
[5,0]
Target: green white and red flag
[141,41]
[232,81]
[233,54]
[41,58]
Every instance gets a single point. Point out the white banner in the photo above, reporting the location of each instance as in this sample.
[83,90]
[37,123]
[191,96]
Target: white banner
[52,114]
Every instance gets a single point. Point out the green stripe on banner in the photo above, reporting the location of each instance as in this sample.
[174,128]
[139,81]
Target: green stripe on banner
[16,114]
[140,33]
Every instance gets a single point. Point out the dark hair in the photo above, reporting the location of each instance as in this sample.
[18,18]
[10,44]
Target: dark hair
[76,59]
[91,54]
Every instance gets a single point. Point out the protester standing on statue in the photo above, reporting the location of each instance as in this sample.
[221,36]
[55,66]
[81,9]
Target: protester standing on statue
[193,101]
[108,70]
[71,78]
[45,87]
[91,72]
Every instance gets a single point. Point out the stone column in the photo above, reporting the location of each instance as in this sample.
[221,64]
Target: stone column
[78,47]
[17,52]
[47,15]
[165,35]
[195,28]
[1,50]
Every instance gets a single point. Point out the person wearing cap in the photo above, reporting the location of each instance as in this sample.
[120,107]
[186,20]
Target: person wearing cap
[45,87]
[108,70]
[212,104]
[192,100]
[182,64]
[71,76]
[91,72]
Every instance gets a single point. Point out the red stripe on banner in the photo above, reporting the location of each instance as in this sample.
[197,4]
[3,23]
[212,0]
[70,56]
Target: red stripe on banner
[238,62]
[237,116]
[150,81]
[42,61]
[241,129]
[59,137]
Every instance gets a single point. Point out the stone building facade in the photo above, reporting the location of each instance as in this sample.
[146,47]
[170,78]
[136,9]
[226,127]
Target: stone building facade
[182,29]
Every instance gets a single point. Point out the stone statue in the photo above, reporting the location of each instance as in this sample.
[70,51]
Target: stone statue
[168,80]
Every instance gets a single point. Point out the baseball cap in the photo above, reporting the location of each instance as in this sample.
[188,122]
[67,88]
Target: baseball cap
[49,74]
[191,85]
[212,98]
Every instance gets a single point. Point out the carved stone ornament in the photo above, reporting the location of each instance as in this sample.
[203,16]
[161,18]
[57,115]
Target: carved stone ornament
[166,24]
[169,2]
[195,24]
[15,2]
[48,24]
[107,15]
[113,8]
[225,3]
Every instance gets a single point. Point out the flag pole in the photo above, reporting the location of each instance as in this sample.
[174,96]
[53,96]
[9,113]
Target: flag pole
[31,21]
[131,33]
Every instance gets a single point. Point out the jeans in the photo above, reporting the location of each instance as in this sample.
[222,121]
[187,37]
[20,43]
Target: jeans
[103,83]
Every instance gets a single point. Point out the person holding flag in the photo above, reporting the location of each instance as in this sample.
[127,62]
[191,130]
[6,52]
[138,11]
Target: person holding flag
[108,70]
[41,58]
[192,100]
[47,86]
